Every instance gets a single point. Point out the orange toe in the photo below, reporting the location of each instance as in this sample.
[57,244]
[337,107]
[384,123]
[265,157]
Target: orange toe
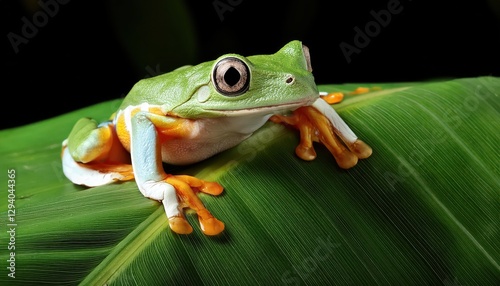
[211,188]
[180,225]
[305,153]
[333,97]
[211,226]
[346,159]
[361,149]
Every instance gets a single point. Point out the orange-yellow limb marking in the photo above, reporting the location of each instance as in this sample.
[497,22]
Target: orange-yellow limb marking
[149,131]
[333,97]
[187,188]
[314,126]
[362,90]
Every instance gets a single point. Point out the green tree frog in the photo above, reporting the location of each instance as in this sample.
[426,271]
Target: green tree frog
[194,112]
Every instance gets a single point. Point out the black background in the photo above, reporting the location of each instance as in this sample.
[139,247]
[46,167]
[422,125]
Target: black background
[77,58]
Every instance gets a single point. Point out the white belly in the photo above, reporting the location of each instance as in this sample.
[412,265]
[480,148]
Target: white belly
[209,137]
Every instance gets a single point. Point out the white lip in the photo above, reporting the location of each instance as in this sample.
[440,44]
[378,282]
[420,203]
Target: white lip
[270,109]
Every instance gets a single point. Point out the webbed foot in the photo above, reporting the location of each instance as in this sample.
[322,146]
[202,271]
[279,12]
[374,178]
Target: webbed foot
[320,123]
[187,188]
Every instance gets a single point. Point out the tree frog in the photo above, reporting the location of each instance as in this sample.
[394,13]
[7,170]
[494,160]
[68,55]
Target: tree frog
[194,112]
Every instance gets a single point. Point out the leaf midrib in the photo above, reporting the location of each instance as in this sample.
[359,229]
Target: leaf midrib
[132,245]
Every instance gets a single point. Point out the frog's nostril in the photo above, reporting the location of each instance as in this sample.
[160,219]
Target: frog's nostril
[290,80]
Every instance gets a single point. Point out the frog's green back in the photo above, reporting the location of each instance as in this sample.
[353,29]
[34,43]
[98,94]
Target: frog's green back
[273,81]
[169,89]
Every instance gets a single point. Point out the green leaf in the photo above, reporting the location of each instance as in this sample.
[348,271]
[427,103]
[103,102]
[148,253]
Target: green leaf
[423,209]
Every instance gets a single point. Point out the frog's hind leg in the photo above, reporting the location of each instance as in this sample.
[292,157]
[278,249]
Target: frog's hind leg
[319,122]
[93,156]
[359,148]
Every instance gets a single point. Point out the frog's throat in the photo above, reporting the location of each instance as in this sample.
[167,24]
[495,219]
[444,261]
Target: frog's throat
[269,109]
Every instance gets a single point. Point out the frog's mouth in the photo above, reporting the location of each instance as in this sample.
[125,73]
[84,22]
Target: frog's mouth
[267,109]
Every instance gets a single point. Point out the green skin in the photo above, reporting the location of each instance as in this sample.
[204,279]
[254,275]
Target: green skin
[219,119]
[282,81]
[175,91]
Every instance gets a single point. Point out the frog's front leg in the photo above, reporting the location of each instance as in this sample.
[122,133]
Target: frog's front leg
[320,122]
[175,192]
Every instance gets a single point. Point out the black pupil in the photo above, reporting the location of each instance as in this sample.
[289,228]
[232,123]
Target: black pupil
[232,76]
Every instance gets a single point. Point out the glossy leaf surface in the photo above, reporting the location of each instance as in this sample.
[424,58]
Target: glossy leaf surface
[423,209]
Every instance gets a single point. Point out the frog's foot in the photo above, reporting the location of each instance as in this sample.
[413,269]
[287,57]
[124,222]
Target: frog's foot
[93,156]
[187,188]
[362,90]
[94,174]
[332,97]
[179,192]
[320,123]
[336,97]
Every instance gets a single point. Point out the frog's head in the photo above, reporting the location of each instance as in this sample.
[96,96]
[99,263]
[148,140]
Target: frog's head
[262,84]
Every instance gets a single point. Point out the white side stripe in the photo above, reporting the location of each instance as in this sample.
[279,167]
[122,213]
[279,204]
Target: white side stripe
[85,176]
[339,126]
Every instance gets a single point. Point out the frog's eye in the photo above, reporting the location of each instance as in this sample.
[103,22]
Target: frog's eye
[231,76]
